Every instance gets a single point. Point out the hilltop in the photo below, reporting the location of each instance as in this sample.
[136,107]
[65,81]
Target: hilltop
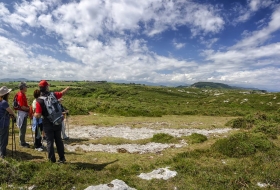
[211,85]
[13,79]
[219,86]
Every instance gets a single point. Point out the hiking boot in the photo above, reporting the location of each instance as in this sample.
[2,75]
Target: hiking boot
[66,138]
[26,145]
[44,138]
[43,147]
[61,161]
[39,149]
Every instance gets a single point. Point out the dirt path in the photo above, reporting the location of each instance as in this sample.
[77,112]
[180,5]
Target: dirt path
[95,132]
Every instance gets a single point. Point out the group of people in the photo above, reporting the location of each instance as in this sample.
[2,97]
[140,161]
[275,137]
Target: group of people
[43,127]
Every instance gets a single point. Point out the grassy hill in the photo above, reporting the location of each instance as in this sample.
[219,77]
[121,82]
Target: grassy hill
[142,100]
[213,85]
[248,156]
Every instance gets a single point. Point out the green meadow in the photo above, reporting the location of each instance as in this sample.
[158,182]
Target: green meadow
[248,157]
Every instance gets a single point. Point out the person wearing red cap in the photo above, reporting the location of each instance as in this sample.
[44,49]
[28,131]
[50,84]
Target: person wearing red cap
[52,132]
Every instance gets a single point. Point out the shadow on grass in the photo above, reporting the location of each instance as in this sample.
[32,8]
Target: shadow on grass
[20,155]
[74,140]
[96,167]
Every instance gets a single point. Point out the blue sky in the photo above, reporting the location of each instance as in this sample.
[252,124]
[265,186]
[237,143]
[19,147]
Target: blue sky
[167,42]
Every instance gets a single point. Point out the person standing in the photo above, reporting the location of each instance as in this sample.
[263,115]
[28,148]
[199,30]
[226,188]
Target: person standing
[22,114]
[65,113]
[5,113]
[37,124]
[52,131]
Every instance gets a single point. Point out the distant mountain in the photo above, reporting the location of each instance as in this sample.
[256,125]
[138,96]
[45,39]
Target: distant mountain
[11,79]
[166,84]
[211,85]
[219,86]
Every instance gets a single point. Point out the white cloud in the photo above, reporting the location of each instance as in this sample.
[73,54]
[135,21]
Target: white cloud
[255,5]
[107,41]
[3,10]
[178,45]
[244,59]
[2,31]
[209,42]
[86,18]
[245,13]
[259,37]
[261,78]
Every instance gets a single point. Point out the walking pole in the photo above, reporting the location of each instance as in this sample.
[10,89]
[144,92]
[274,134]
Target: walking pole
[15,140]
[13,137]
[66,125]
[31,130]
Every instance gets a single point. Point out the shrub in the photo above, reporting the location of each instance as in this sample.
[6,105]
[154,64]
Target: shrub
[196,138]
[261,116]
[242,144]
[271,130]
[241,123]
[162,138]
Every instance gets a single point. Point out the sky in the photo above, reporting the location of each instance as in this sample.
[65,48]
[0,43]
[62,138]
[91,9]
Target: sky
[166,42]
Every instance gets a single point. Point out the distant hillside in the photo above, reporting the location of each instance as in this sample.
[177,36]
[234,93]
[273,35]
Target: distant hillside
[219,86]
[211,85]
[12,80]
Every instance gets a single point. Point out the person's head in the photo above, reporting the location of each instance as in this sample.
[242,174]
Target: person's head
[4,93]
[44,86]
[23,86]
[36,93]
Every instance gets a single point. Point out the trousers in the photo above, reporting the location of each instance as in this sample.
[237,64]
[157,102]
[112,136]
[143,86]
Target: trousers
[53,135]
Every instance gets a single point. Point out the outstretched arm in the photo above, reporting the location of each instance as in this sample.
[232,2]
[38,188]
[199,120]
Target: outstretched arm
[65,90]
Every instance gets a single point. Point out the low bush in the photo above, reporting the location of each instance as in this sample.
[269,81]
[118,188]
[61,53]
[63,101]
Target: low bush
[162,138]
[196,138]
[242,123]
[242,144]
[271,130]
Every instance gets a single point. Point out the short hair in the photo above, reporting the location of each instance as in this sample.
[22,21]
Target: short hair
[5,97]
[43,89]
[36,93]
[22,85]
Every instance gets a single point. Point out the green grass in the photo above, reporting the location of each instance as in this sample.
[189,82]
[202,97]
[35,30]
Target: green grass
[140,100]
[238,160]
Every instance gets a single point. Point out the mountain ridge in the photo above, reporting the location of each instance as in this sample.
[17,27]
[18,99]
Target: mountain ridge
[213,85]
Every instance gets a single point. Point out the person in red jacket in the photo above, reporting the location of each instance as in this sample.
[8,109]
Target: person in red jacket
[52,131]
[22,114]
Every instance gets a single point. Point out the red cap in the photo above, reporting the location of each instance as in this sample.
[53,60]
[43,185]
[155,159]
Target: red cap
[43,83]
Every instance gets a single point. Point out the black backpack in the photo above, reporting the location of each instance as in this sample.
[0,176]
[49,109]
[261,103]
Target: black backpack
[15,103]
[53,107]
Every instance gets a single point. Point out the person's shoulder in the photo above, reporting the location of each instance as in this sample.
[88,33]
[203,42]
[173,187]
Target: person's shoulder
[58,94]
[5,103]
[21,94]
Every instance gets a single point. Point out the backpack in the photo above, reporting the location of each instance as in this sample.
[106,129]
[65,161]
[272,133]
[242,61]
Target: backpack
[54,109]
[15,103]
